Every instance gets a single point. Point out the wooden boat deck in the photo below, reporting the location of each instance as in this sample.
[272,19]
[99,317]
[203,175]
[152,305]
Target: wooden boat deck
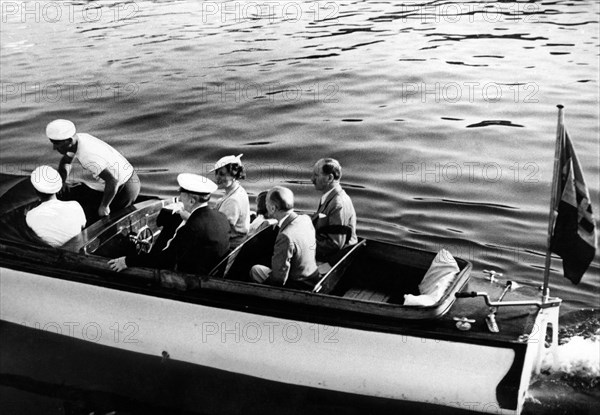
[367,295]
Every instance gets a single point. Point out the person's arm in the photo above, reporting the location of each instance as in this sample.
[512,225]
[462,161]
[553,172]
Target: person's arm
[178,251]
[118,264]
[281,260]
[64,167]
[111,186]
[329,243]
[136,260]
[160,260]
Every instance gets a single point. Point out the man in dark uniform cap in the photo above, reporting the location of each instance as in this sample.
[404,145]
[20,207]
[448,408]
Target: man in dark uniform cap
[199,242]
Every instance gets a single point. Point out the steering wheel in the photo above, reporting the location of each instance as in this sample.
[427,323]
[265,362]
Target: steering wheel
[143,240]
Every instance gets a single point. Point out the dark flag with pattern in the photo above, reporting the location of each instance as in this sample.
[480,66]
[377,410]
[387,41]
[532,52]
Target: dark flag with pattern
[574,236]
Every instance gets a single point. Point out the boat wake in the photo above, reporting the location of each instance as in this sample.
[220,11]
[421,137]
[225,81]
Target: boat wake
[578,351]
[571,385]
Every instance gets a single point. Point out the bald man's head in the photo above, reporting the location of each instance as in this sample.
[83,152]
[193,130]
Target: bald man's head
[281,198]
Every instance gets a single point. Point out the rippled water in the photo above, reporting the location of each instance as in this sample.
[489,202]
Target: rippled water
[442,113]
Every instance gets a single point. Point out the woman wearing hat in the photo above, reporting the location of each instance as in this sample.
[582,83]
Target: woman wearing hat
[234,204]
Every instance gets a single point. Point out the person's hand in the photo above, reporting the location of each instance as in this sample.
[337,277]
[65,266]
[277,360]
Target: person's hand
[117,264]
[103,211]
[185,215]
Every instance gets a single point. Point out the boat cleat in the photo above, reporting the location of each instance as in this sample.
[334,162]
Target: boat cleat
[463,323]
[491,275]
[490,320]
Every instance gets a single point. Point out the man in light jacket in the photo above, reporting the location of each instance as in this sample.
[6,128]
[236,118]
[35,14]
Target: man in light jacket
[293,263]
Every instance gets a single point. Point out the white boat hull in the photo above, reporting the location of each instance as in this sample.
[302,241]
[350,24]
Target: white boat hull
[354,361]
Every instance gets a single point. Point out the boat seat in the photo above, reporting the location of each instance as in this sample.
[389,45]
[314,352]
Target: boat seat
[258,249]
[341,262]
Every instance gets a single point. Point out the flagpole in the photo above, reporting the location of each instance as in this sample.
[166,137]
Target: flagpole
[553,201]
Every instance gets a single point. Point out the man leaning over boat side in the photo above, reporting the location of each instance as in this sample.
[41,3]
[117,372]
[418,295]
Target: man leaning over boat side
[200,241]
[293,263]
[115,179]
[53,221]
[335,218]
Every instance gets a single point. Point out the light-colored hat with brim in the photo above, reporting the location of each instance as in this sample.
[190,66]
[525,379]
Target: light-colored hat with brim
[60,130]
[195,183]
[224,161]
[46,180]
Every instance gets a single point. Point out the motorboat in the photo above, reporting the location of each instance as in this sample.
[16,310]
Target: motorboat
[218,343]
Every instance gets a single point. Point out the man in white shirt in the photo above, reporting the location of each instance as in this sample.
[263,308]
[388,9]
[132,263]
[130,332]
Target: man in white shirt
[53,221]
[114,177]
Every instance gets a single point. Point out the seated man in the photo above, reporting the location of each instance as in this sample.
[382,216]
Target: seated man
[293,263]
[262,219]
[54,221]
[335,218]
[198,243]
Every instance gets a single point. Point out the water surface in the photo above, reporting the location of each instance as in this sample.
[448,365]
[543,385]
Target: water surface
[443,114]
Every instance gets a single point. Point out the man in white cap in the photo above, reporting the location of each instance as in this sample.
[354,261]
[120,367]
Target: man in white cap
[116,181]
[199,242]
[53,221]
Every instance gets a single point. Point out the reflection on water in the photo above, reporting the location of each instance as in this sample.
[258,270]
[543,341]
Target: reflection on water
[441,113]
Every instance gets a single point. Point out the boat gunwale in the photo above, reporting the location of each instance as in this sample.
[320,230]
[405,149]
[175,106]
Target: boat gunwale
[146,281]
[62,257]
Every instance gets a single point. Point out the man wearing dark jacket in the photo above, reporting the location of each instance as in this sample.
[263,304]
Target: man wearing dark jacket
[198,243]
[335,218]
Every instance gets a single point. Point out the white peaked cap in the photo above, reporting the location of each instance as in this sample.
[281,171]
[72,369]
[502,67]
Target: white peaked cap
[60,130]
[46,180]
[195,183]
[224,161]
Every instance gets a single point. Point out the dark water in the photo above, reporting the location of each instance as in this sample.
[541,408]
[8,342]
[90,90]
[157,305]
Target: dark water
[442,113]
